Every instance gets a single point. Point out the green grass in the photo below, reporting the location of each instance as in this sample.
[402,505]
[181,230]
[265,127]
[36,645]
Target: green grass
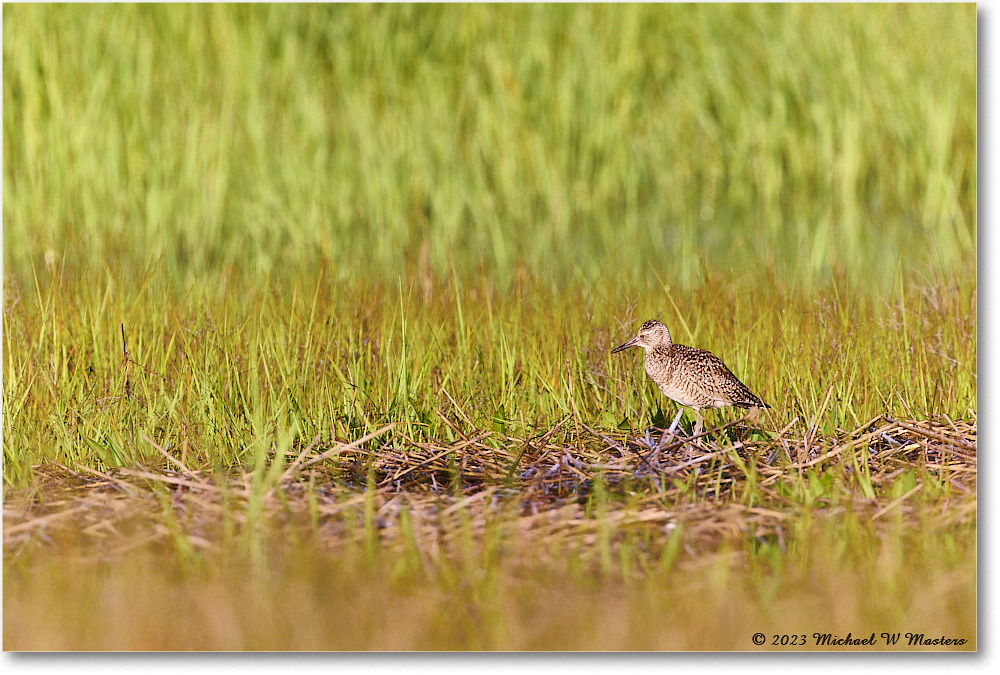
[233,231]
[594,142]
[226,379]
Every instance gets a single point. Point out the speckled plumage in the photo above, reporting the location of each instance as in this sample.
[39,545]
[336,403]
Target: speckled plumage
[692,377]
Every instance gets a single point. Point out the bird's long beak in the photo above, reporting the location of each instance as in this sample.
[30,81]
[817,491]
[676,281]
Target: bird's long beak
[626,345]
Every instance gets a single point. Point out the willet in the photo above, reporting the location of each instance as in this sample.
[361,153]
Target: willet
[692,377]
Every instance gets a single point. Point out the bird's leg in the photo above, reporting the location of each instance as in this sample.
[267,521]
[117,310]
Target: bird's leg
[669,431]
[673,425]
[699,422]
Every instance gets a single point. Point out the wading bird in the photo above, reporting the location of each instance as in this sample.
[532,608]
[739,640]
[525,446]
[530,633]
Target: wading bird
[692,377]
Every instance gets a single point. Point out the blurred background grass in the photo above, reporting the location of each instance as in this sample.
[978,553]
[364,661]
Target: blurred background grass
[502,596]
[606,143]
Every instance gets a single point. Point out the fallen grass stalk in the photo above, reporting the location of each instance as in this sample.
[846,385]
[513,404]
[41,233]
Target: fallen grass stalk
[542,486]
[345,447]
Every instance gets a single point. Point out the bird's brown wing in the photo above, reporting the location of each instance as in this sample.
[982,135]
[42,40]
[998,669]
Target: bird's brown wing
[716,375]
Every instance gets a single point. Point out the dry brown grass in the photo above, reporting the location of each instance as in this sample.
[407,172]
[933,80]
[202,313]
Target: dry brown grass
[545,490]
[585,542]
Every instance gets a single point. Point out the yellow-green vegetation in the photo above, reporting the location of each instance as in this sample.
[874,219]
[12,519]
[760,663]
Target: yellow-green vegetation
[308,312]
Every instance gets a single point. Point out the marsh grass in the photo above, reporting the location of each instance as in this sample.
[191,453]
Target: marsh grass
[579,552]
[296,398]
[311,599]
[474,474]
[352,275]
[195,139]
[90,373]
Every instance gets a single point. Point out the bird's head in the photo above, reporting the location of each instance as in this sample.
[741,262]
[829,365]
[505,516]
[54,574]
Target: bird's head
[651,334]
